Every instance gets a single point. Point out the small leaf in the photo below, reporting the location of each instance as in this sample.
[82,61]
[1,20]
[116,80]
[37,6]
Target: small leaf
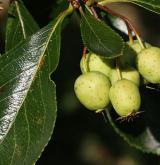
[143,132]
[100,38]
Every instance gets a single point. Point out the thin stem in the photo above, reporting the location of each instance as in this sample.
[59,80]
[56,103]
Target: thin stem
[99,110]
[118,69]
[140,41]
[84,52]
[84,61]
[81,11]
[104,2]
[130,34]
[104,117]
[152,88]
[88,8]
[127,21]
[94,12]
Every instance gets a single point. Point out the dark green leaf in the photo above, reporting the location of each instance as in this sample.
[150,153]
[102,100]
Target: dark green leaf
[143,131]
[27,95]
[20,25]
[58,7]
[153,5]
[100,38]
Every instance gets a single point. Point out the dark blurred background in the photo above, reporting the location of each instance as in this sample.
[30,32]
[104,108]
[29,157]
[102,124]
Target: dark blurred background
[80,136]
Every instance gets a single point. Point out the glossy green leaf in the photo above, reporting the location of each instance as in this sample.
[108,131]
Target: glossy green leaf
[58,7]
[143,131]
[100,38]
[152,5]
[20,25]
[27,95]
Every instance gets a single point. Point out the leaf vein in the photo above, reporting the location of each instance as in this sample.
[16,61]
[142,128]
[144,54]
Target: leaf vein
[28,130]
[20,19]
[14,145]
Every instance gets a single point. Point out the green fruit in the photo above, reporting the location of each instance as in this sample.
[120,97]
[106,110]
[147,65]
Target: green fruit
[125,97]
[137,47]
[92,90]
[127,73]
[148,64]
[93,62]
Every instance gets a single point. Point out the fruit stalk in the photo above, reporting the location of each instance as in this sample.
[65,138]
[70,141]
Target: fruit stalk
[130,34]
[84,52]
[94,12]
[126,20]
[118,69]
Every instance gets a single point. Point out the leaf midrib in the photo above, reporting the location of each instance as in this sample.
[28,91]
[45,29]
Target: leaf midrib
[20,19]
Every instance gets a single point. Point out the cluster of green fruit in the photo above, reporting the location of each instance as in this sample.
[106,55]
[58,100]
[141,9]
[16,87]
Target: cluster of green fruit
[102,82]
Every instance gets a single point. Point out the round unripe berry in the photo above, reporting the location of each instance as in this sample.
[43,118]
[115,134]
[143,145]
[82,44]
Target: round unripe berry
[148,64]
[128,73]
[125,97]
[92,90]
[93,62]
